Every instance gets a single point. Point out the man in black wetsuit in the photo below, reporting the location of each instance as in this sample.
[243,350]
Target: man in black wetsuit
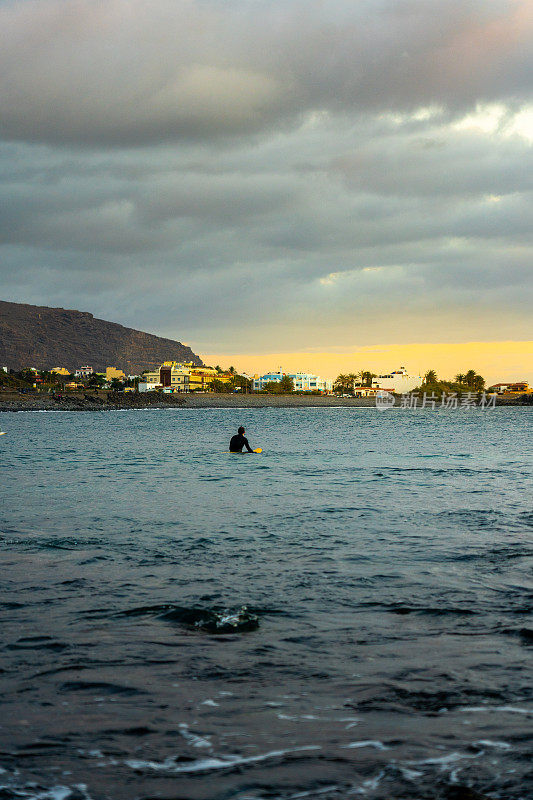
[238,442]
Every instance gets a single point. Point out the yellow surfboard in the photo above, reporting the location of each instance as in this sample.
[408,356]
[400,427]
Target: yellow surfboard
[238,453]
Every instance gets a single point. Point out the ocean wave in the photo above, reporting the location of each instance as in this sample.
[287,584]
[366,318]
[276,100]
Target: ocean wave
[218,620]
[227,762]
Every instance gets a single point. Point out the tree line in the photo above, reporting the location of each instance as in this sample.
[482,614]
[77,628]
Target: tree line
[463,382]
[344,383]
[469,381]
[236,382]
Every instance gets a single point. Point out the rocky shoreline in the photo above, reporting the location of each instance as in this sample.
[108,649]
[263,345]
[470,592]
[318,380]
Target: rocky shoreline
[103,401]
[116,401]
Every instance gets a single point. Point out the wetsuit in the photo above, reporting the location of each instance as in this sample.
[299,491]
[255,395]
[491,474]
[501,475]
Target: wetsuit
[238,442]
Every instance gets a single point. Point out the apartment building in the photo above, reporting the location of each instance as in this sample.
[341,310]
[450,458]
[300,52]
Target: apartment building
[303,381]
[173,376]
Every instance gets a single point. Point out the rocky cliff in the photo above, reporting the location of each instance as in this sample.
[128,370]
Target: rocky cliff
[42,337]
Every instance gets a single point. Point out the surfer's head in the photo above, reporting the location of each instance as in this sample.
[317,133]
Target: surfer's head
[241,430]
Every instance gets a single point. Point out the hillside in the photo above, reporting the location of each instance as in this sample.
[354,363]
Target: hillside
[42,337]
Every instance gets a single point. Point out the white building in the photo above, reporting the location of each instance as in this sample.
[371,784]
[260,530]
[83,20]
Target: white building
[397,381]
[145,386]
[83,372]
[303,381]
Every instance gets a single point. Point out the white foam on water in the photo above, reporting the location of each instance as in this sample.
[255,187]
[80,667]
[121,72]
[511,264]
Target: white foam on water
[372,783]
[209,764]
[192,738]
[410,774]
[43,411]
[353,721]
[509,709]
[366,743]
[490,743]
[445,761]
[313,792]
[54,793]
[30,792]
[326,408]
[454,775]
[209,703]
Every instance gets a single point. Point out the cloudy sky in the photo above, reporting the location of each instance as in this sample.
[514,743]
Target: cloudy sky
[276,180]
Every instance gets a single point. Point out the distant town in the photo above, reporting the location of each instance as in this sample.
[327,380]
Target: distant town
[173,377]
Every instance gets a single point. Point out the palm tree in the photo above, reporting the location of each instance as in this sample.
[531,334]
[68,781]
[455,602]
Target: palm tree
[339,382]
[352,380]
[470,377]
[460,378]
[430,376]
[344,383]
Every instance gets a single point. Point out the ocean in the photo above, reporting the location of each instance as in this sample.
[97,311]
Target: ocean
[347,614]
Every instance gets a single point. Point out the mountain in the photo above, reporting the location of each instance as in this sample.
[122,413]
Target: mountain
[42,337]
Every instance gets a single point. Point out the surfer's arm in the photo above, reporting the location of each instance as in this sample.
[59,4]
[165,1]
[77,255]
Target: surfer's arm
[248,446]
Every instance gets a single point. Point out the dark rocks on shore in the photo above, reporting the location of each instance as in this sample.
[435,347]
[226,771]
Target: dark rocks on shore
[116,401]
[86,402]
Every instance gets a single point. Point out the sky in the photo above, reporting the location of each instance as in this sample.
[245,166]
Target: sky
[328,186]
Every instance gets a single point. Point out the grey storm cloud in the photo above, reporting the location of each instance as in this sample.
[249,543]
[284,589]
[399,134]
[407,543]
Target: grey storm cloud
[133,72]
[300,170]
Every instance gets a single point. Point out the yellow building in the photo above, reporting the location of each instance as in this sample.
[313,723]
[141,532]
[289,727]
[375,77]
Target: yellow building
[181,377]
[113,372]
[60,371]
[200,378]
[170,375]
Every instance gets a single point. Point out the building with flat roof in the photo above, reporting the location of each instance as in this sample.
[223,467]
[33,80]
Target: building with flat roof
[84,372]
[303,381]
[113,372]
[519,387]
[397,381]
[174,376]
[365,391]
[170,375]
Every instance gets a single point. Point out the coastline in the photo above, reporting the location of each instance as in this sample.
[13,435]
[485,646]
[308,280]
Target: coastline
[101,402]
[79,401]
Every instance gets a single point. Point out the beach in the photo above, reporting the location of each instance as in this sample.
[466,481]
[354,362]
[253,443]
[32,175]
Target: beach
[103,401]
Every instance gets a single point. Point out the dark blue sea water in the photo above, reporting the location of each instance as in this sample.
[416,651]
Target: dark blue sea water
[385,563]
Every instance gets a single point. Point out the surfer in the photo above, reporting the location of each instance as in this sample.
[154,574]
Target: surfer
[238,442]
